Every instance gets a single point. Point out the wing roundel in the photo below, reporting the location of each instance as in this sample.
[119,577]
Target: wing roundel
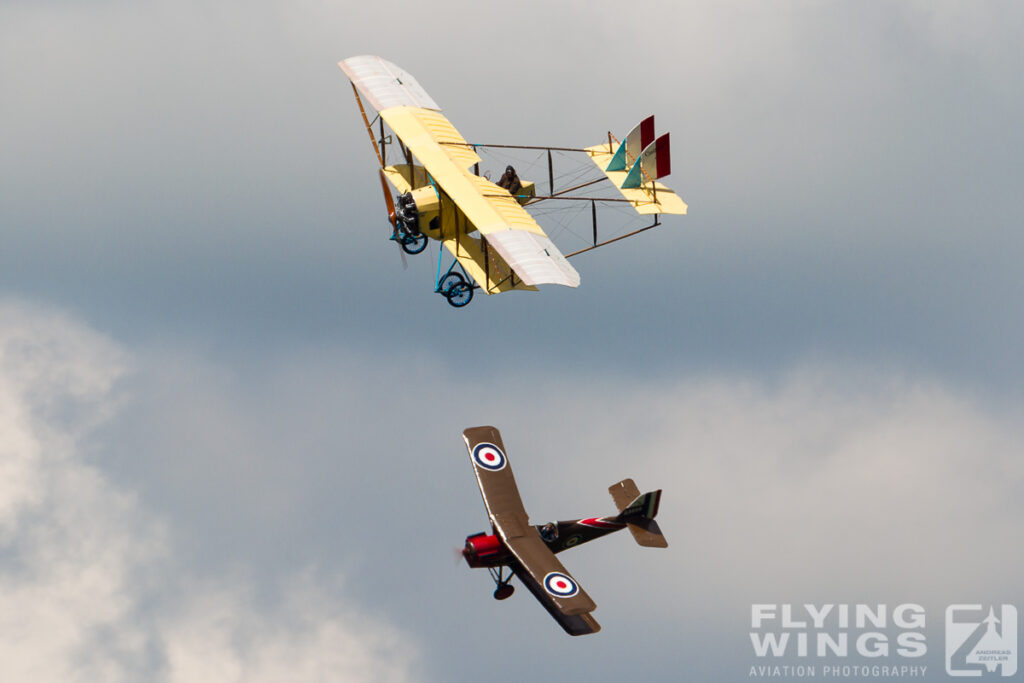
[535,564]
[494,476]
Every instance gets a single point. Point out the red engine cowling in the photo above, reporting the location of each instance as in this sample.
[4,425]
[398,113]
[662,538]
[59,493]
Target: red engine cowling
[481,549]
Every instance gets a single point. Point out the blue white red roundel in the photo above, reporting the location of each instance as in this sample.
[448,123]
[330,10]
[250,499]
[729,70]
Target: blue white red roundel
[489,456]
[560,585]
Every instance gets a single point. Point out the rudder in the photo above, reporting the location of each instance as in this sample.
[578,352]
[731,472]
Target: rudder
[642,507]
[638,511]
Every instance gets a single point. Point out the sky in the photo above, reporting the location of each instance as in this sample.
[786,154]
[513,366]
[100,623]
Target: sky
[230,420]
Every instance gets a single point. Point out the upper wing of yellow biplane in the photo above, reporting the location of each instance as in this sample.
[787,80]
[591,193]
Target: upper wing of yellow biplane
[417,120]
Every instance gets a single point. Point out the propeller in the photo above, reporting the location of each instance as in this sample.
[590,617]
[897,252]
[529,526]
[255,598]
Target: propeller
[459,557]
[392,216]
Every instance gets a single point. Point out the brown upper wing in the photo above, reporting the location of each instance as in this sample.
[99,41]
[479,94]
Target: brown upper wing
[497,485]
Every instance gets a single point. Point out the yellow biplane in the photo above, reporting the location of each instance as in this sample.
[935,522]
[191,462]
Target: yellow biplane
[496,244]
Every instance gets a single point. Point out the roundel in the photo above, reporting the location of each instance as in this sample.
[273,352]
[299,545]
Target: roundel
[560,585]
[489,456]
[572,540]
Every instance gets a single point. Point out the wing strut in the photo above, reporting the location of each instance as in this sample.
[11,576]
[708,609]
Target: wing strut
[551,173]
[369,126]
[597,244]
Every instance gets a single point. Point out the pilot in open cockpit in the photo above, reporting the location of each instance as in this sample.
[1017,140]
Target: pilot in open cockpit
[510,181]
[549,532]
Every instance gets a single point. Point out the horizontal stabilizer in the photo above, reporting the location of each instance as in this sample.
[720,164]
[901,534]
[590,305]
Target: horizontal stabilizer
[624,493]
[625,167]
[647,534]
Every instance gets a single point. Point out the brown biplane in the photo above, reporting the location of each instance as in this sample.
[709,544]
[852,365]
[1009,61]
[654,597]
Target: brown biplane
[528,551]
[497,246]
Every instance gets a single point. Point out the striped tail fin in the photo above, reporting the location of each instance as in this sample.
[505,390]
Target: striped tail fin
[642,507]
[638,512]
[654,162]
[632,145]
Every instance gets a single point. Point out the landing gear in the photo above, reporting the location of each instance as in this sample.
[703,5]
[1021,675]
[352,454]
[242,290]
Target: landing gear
[502,588]
[406,221]
[450,279]
[411,243]
[455,288]
[504,591]
[459,294]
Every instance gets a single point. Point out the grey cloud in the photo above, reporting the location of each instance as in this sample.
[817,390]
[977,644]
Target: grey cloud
[92,588]
[209,516]
[829,484]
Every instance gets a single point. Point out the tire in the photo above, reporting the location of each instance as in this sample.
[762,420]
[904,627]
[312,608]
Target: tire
[459,294]
[414,243]
[448,281]
[503,591]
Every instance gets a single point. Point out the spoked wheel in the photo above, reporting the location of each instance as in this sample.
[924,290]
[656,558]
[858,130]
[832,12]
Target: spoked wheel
[459,294]
[413,243]
[448,281]
[503,591]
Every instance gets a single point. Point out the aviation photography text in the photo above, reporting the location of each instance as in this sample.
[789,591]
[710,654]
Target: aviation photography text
[834,640]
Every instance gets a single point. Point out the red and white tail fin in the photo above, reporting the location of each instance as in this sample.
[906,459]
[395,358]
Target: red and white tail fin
[635,166]
[633,145]
[654,162]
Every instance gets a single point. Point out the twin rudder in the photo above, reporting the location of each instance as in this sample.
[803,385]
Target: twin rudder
[645,157]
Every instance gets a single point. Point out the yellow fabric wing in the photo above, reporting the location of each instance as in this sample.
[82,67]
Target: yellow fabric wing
[491,210]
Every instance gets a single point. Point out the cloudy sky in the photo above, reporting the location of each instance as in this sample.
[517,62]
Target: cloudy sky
[230,420]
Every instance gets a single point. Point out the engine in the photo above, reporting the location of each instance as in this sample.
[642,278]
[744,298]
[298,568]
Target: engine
[419,208]
[482,550]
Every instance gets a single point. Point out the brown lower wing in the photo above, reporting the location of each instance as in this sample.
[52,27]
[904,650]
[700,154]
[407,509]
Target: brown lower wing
[550,581]
[573,624]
